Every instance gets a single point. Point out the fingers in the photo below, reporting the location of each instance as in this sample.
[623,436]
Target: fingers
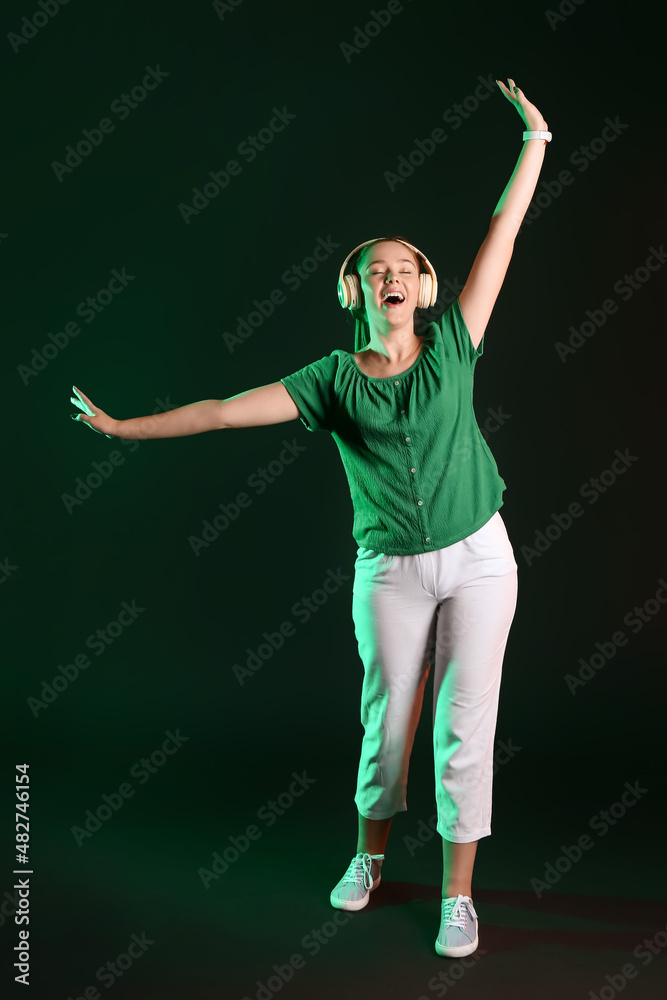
[513,92]
[506,93]
[84,404]
[82,401]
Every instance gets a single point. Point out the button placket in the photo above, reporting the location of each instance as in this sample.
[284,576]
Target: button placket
[413,470]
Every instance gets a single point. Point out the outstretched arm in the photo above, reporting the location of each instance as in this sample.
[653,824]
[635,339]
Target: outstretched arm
[490,265]
[268,404]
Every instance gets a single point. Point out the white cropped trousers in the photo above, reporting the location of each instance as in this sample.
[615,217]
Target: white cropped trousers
[451,610]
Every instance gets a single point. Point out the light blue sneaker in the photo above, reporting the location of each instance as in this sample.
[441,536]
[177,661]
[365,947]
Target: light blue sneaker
[362,876]
[458,928]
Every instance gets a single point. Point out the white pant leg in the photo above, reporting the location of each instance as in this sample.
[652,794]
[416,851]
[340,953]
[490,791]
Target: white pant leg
[478,586]
[458,603]
[394,621]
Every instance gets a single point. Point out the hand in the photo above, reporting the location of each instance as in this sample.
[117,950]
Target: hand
[532,117]
[96,419]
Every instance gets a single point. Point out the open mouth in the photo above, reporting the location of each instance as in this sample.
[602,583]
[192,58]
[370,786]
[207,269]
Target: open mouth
[393,299]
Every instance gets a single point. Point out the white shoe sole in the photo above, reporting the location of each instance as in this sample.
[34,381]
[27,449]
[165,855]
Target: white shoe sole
[460,952]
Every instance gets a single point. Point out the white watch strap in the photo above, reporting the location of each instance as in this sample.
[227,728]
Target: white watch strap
[537,135]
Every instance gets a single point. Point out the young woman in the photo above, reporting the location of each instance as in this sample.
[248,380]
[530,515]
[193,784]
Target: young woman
[435,571]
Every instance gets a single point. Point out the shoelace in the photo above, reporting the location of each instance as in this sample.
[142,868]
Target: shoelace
[359,871]
[455,911]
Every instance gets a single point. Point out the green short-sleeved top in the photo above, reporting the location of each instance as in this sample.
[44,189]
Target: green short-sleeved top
[420,473]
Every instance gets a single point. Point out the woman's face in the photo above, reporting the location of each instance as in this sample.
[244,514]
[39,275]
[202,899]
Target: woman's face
[389,267]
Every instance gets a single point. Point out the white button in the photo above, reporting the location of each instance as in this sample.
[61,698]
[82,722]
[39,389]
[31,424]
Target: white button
[402,411]
[420,502]
[407,439]
[413,470]
[397,383]
[428,539]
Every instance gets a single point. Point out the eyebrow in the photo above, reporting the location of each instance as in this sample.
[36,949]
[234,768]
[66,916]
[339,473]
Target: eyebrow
[402,260]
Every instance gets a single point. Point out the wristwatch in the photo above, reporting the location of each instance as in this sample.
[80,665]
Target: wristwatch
[538,135]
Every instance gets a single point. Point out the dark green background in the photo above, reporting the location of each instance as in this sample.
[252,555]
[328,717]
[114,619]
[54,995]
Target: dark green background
[159,344]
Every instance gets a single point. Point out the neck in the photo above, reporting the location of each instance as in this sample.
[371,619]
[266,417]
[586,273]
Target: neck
[395,345]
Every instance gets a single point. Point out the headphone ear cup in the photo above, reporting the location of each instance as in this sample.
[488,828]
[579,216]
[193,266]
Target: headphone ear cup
[343,293]
[351,291]
[425,290]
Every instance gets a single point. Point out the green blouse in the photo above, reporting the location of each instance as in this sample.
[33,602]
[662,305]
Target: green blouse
[420,473]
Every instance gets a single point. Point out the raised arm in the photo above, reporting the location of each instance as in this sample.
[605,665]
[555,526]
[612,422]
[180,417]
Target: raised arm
[490,265]
[268,404]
